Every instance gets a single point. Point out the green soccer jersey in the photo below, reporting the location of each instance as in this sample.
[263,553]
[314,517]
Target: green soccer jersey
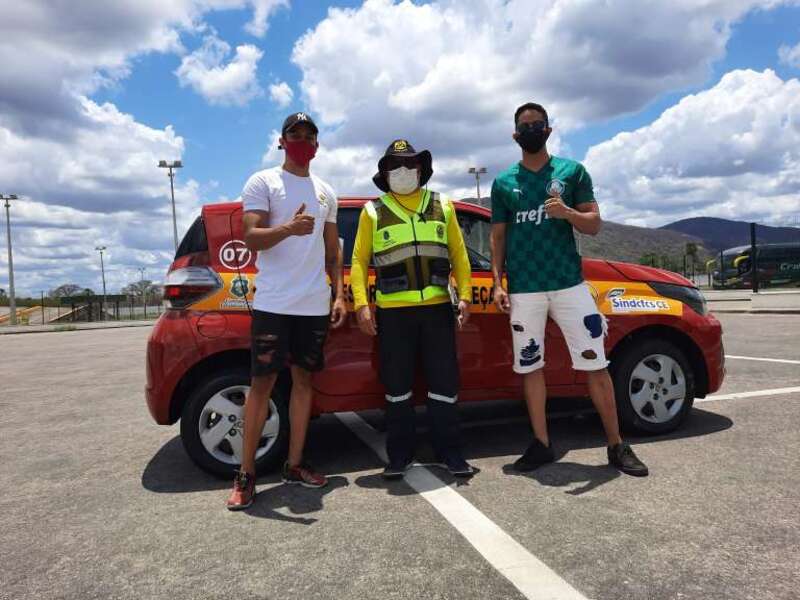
[540,252]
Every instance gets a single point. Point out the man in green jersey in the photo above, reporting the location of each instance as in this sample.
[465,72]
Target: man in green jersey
[536,203]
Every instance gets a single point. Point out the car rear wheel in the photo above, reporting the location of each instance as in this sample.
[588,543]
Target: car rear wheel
[212,426]
[654,386]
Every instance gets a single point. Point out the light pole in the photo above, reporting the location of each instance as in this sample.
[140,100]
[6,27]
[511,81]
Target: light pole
[175,164]
[478,171]
[144,295]
[12,302]
[103,274]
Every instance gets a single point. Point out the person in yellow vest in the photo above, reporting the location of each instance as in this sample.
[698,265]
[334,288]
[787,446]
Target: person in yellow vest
[413,237]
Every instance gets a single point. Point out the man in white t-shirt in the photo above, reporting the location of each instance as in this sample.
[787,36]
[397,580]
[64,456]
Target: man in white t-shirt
[290,219]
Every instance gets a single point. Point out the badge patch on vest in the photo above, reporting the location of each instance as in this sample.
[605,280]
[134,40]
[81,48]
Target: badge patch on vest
[440,231]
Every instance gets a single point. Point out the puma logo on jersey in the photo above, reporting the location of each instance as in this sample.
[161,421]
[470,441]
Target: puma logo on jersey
[535,216]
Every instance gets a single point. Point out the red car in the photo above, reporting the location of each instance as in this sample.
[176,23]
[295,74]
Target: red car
[664,348]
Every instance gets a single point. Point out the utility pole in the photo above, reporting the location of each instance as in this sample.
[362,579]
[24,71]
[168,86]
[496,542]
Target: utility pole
[175,164]
[477,171]
[144,292]
[12,301]
[103,274]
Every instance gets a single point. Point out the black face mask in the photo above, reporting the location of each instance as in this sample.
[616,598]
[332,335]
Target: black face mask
[532,136]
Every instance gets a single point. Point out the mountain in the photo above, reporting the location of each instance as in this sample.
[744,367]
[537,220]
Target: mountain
[720,234]
[629,243]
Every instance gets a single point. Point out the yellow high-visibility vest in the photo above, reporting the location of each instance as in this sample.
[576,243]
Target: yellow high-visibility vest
[410,252]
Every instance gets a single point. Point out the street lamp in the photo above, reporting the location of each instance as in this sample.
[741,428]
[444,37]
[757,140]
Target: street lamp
[141,284]
[175,164]
[12,302]
[100,249]
[478,171]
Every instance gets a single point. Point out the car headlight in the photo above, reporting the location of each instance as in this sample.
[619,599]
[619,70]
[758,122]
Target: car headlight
[690,296]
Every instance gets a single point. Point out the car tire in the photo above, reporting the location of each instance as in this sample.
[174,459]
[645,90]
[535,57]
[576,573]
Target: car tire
[653,385]
[211,423]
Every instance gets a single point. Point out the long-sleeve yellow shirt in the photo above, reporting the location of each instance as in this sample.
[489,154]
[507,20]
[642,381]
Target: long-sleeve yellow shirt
[362,252]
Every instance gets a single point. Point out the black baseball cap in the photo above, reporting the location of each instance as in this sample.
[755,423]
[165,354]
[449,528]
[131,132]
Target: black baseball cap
[403,149]
[296,118]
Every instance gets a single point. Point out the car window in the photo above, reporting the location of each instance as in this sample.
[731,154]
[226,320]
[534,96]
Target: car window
[347,222]
[195,239]
[474,227]
[476,231]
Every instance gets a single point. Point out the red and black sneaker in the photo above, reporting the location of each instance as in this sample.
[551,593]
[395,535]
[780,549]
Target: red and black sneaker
[303,475]
[244,491]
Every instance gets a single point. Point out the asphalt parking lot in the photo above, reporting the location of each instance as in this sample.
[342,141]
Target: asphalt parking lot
[99,502]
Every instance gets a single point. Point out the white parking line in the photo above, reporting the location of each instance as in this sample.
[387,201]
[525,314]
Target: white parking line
[755,394]
[758,358]
[533,578]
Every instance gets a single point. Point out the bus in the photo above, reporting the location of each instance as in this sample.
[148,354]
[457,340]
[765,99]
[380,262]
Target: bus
[778,266]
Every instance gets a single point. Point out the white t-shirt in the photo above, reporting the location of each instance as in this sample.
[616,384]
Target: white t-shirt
[291,277]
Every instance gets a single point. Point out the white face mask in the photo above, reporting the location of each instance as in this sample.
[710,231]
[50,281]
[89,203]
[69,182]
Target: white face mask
[403,180]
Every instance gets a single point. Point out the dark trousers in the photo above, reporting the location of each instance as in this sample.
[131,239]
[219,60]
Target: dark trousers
[408,336]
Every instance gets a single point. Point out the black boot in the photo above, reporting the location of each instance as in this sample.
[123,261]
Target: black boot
[400,437]
[445,437]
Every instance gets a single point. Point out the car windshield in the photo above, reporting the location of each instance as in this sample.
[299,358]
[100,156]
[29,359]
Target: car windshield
[474,227]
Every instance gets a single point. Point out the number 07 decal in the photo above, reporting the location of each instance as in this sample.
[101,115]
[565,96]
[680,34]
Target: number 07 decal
[235,255]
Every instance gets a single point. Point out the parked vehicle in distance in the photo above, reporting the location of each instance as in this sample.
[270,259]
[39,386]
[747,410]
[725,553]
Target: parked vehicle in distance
[664,347]
[778,265]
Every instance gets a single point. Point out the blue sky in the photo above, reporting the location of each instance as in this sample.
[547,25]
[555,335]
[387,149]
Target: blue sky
[677,109]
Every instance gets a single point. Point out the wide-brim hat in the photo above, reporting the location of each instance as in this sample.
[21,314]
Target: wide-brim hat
[402,149]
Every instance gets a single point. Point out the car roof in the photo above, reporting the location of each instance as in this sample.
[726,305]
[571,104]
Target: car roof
[344,202]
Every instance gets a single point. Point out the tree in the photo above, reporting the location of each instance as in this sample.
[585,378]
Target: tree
[142,289]
[3,294]
[62,291]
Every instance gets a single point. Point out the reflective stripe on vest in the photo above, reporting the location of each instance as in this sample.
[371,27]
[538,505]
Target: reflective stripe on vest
[410,251]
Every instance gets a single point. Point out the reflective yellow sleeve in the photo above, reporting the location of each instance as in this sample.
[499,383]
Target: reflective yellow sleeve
[459,259]
[359,269]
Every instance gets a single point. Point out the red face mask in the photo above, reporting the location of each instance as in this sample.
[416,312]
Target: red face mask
[300,151]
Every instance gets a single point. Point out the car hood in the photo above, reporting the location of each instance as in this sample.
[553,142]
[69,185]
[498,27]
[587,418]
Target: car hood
[643,273]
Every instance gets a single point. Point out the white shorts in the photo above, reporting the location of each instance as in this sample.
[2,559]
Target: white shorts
[575,312]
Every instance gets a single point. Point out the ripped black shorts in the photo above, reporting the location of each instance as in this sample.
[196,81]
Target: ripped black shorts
[277,340]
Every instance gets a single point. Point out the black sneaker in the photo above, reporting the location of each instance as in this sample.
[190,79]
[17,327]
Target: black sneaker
[622,457]
[535,456]
[396,470]
[458,467]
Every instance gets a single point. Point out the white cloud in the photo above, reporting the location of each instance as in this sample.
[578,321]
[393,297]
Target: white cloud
[86,173]
[731,151]
[448,74]
[281,94]
[262,11]
[99,186]
[231,83]
[790,55]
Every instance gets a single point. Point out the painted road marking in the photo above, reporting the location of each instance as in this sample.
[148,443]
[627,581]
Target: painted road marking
[775,360]
[755,394]
[533,578]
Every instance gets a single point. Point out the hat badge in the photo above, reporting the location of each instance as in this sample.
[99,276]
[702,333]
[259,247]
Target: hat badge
[301,117]
[400,145]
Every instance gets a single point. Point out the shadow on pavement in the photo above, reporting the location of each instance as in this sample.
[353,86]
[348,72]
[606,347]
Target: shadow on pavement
[398,487]
[489,431]
[299,501]
[566,474]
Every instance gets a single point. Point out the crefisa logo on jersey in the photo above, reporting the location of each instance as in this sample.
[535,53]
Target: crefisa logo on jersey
[556,187]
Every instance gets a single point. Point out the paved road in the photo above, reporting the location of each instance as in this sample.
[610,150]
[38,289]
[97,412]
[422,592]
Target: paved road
[99,502]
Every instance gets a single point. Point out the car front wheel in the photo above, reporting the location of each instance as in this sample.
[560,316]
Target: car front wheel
[212,425]
[654,386]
